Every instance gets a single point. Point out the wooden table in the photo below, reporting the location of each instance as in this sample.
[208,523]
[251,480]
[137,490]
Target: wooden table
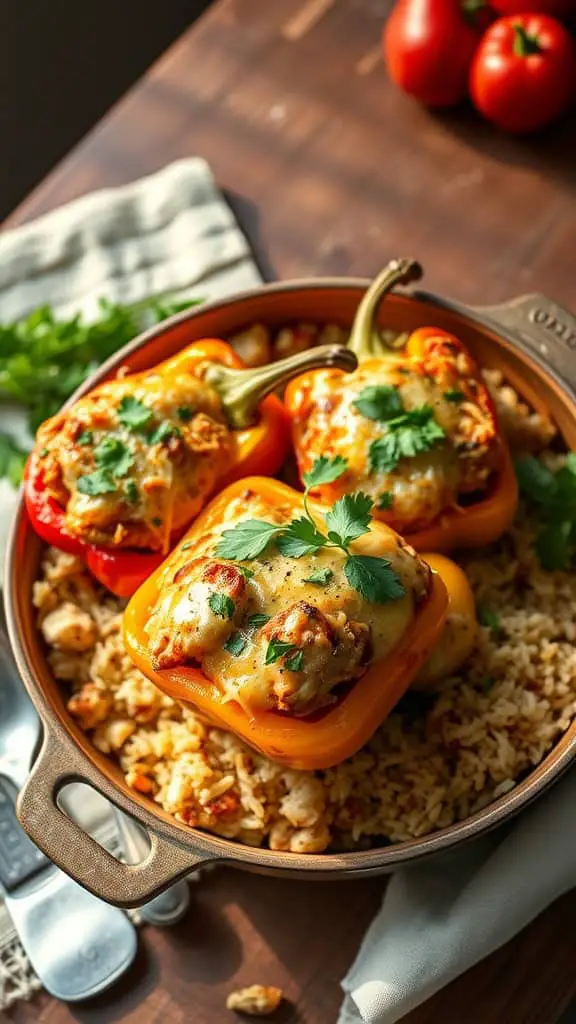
[330,170]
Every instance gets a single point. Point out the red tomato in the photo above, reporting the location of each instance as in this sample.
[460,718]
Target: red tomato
[560,8]
[429,45]
[523,74]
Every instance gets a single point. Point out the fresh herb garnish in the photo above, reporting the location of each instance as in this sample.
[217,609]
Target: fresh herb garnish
[131,491]
[247,573]
[379,402]
[222,605]
[113,455]
[454,396]
[99,482]
[407,435]
[162,433]
[44,359]
[487,617]
[185,414]
[349,518]
[321,577]
[133,414]
[554,496]
[257,620]
[187,545]
[12,459]
[277,649]
[85,437]
[294,663]
[385,501]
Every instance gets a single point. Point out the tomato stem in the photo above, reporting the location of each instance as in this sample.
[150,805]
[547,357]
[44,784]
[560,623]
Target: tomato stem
[524,44]
[471,8]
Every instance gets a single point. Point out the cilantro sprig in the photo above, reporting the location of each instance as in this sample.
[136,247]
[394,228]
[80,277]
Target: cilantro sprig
[349,518]
[553,495]
[409,432]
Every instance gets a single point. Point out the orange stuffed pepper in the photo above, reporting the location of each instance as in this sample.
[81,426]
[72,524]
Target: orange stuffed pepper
[417,428]
[119,475]
[295,626]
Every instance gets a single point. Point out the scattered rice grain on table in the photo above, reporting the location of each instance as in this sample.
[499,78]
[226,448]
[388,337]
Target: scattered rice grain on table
[426,767]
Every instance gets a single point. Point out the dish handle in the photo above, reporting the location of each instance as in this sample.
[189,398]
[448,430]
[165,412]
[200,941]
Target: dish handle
[80,856]
[546,329]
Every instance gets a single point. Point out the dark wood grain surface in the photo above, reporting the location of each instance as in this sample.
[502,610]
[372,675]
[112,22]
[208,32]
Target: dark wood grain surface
[330,171]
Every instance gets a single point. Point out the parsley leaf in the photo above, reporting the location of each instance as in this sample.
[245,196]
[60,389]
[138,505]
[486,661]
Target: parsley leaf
[133,414]
[379,402]
[408,435]
[185,414]
[221,605]
[555,545]
[487,617]
[276,649]
[257,621]
[236,643]
[99,482]
[85,437]
[12,459]
[535,481]
[247,573]
[301,537]
[246,540]
[321,577]
[113,455]
[373,578]
[349,518]
[325,471]
[554,495]
[131,491]
[454,396]
[385,501]
[294,663]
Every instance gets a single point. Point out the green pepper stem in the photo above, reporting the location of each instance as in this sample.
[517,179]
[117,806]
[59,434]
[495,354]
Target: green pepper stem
[363,341]
[241,391]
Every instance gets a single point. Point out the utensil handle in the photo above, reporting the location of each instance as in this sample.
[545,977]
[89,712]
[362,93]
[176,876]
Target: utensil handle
[540,325]
[80,856]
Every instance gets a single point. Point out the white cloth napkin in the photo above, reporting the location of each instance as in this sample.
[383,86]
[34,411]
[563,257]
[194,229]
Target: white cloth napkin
[440,918]
[171,233]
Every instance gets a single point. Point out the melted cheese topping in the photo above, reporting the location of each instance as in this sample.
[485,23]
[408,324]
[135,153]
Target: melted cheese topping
[167,482]
[338,633]
[420,487]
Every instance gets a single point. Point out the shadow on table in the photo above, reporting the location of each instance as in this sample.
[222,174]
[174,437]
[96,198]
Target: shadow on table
[248,217]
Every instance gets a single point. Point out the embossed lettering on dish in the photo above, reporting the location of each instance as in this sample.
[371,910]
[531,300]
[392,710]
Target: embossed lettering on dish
[544,318]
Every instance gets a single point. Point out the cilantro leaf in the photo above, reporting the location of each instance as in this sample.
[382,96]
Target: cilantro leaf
[321,577]
[379,402]
[555,545]
[454,396]
[300,537]
[246,540]
[349,518]
[221,605]
[85,437]
[277,649]
[257,621]
[325,471]
[294,663]
[487,617]
[373,578]
[408,435]
[236,643]
[185,413]
[113,455]
[131,491]
[385,501]
[162,433]
[247,573]
[133,414]
[535,481]
[12,459]
[99,482]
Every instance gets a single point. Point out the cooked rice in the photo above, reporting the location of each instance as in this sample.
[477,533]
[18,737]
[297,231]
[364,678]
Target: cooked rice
[426,767]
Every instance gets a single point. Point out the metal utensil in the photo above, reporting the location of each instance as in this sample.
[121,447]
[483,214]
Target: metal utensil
[77,944]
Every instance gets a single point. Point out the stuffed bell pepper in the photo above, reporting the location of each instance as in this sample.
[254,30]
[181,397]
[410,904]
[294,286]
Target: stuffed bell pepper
[296,626]
[121,473]
[417,428]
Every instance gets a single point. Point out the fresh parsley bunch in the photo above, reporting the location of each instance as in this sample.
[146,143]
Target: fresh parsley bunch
[408,433]
[43,360]
[554,497]
[349,518]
